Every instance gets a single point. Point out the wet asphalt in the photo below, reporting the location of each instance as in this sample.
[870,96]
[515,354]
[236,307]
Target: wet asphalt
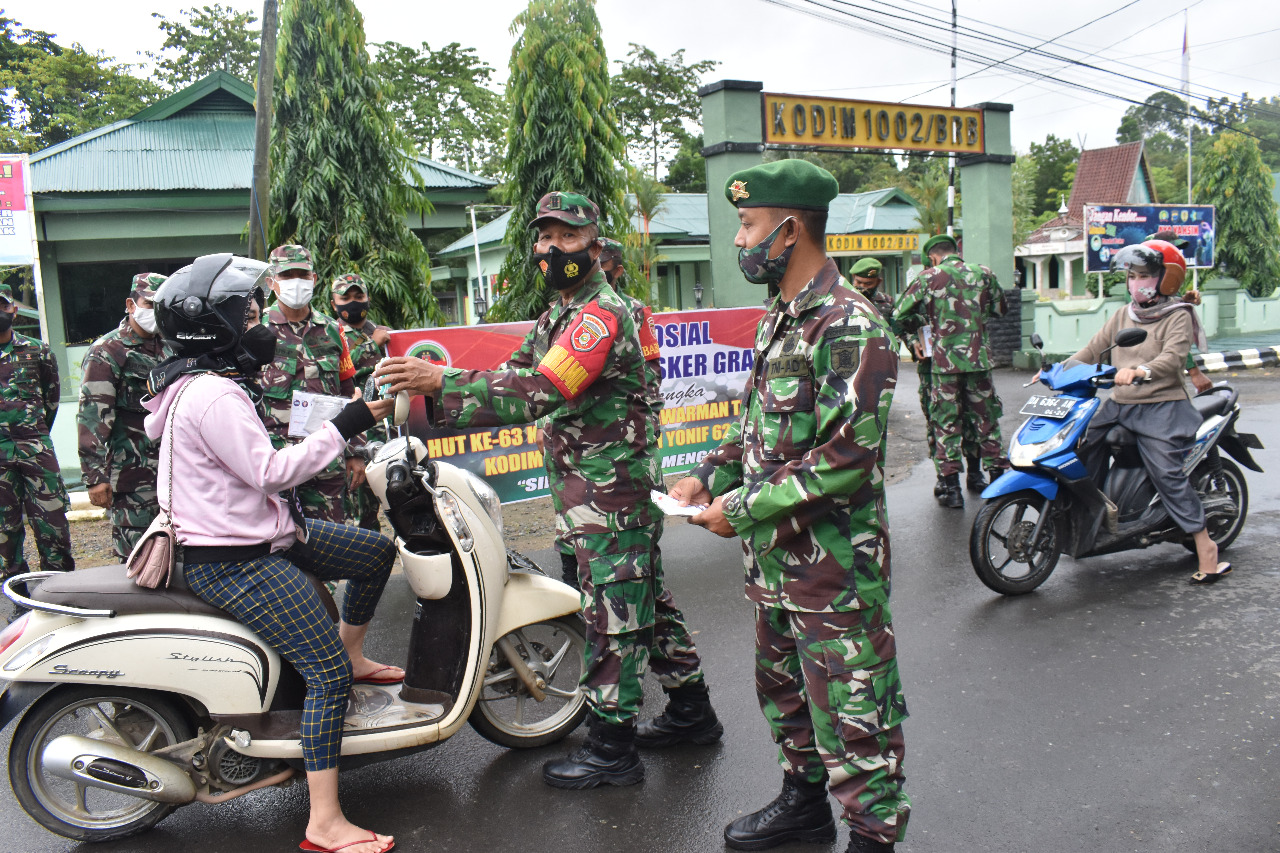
[1116,708]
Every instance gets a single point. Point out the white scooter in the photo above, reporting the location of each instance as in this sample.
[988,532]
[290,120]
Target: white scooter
[135,701]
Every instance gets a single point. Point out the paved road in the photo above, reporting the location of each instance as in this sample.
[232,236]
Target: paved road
[1115,709]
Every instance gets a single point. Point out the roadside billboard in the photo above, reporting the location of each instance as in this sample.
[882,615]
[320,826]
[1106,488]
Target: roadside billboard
[1110,227]
[706,358]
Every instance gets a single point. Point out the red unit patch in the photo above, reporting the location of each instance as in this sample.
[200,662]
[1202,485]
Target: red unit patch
[577,359]
[648,336]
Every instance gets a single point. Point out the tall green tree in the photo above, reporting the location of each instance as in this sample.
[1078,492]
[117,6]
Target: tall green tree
[1054,157]
[205,39]
[342,171]
[657,102]
[563,135]
[929,190]
[1234,177]
[687,172]
[445,101]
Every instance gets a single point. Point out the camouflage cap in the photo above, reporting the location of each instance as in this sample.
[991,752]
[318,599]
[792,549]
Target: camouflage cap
[612,251]
[867,268]
[6,292]
[289,257]
[795,184]
[935,240]
[570,208]
[145,285]
[343,283]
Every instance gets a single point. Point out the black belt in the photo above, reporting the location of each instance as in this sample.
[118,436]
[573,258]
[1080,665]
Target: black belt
[224,553]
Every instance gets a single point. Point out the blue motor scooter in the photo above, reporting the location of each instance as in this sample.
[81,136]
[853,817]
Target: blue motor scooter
[1048,504]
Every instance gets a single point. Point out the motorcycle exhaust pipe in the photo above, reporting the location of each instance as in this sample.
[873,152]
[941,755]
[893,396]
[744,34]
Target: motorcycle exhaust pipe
[117,768]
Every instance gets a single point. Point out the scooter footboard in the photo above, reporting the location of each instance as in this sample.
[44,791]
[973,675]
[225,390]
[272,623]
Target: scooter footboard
[530,598]
[1014,480]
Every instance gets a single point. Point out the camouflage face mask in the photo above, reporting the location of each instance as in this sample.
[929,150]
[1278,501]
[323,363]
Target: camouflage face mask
[758,267]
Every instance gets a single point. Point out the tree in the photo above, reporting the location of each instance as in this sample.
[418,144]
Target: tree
[854,172]
[212,38]
[929,191]
[687,171]
[444,102]
[647,199]
[1234,177]
[655,100]
[343,173]
[1053,159]
[1023,179]
[563,135]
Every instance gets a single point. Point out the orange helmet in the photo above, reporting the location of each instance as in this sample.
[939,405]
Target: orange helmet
[1158,258]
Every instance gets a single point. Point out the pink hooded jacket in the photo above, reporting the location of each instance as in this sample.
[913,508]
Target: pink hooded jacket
[225,472]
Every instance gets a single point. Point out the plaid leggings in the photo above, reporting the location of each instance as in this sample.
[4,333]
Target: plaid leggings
[271,596]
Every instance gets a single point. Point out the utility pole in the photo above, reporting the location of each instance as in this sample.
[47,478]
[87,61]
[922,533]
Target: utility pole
[951,158]
[260,193]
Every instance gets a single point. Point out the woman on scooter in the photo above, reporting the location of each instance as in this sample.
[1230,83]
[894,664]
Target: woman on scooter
[245,544]
[1149,398]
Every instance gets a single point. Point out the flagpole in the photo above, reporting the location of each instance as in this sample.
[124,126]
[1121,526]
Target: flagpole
[1186,95]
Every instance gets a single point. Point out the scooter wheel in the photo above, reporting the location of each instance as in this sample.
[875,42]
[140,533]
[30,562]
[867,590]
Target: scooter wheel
[134,718]
[1000,546]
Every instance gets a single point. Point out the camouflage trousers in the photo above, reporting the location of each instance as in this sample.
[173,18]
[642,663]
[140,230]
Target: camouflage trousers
[829,688]
[322,497]
[968,439]
[361,507]
[130,515]
[960,402]
[632,622]
[34,486]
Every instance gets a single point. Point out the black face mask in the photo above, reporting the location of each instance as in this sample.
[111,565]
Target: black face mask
[564,270]
[6,321]
[257,349]
[353,313]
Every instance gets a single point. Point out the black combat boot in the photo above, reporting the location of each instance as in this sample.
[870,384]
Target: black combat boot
[608,757]
[862,844]
[569,569]
[800,813]
[976,480]
[951,497]
[940,487]
[689,718]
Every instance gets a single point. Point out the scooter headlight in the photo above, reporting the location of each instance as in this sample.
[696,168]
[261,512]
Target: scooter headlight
[488,498]
[1024,455]
[29,654]
[450,512]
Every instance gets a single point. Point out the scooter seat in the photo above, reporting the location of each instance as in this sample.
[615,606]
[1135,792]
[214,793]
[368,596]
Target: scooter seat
[109,588]
[1212,404]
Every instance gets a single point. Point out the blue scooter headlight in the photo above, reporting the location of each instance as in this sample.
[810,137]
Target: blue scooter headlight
[1024,455]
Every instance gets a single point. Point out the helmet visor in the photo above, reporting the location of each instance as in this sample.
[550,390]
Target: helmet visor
[1138,258]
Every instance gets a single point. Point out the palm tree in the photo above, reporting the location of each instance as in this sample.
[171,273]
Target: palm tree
[929,191]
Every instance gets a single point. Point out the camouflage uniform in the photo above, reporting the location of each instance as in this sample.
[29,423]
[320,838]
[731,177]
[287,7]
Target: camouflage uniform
[114,447]
[361,505]
[955,300]
[30,480]
[802,476]
[582,364]
[310,356]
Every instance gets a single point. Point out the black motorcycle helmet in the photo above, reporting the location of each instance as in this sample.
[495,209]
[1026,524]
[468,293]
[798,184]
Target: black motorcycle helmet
[202,308]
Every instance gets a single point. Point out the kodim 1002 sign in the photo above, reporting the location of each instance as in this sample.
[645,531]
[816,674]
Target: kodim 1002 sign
[839,123]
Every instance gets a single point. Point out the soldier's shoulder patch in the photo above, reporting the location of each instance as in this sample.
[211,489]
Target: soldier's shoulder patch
[648,333]
[855,325]
[578,356]
[845,353]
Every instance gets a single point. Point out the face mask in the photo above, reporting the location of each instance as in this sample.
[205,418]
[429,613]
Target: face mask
[296,292]
[564,270]
[756,264]
[1144,289]
[868,289]
[146,318]
[6,321]
[354,312]
[257,349]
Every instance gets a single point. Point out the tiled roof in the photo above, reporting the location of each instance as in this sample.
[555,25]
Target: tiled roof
[1106,176]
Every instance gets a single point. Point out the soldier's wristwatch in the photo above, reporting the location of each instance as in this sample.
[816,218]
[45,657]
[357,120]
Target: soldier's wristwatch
[1146,370]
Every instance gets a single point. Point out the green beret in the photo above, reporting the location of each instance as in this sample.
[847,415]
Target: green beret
[783,183]
[936,239]
[6,293]
[867,268]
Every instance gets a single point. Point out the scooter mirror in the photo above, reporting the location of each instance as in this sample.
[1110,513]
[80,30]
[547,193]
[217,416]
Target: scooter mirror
[1037,341]
[1130,337]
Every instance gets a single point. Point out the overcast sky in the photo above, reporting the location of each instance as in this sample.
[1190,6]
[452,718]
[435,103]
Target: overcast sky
[1232,46]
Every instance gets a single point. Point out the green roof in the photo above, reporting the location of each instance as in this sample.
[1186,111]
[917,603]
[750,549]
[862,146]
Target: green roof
[200,138]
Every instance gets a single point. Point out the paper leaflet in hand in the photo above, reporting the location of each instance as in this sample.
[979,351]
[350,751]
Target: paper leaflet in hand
[671,506]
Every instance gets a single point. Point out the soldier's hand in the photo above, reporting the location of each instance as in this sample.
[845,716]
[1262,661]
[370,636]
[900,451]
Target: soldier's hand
[355,472]
[690,490]
[713,519]
[381,335]
[100,495]
[541,439]
[414,375]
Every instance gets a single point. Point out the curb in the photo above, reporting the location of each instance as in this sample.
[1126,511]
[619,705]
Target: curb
[1245,358]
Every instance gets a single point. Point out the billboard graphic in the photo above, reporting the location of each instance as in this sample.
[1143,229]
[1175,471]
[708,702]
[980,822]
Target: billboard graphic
[1109,228]
[706,358]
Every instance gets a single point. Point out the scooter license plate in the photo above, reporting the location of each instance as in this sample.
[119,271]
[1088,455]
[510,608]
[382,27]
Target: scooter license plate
[1048,407]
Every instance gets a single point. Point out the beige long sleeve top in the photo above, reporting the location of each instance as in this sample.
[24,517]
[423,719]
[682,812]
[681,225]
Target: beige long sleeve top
[1164,351]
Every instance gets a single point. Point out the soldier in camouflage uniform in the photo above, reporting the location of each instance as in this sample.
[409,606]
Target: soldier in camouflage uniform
[367,344]
[311,355]
[800,478]
[118,462]
[582,364]
[954,301]
[30,480]
[867,279]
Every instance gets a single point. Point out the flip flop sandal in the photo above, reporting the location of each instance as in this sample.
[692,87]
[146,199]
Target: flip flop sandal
[316,848]
[1224,569]
[372,678]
